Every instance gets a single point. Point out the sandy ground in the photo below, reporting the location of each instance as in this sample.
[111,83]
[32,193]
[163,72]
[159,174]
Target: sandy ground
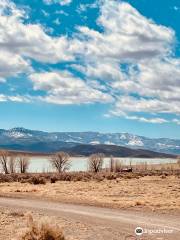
[151,192]
[86,222]
[14,222]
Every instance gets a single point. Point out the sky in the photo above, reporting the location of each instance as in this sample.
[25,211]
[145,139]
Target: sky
[99,65]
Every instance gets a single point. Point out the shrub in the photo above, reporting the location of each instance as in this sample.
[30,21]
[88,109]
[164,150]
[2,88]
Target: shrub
[6,178]
[98,177]
[16,214]
[37,180]
[68,178]
[42,178]
[111,177]
[53,179]
[163,176]
[42,230]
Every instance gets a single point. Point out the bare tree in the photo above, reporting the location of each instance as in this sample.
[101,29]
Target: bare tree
[12,164]
[60,161]
[95,162]
[4,155]
[23,163]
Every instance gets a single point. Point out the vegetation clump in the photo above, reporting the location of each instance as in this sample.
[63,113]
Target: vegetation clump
[37,180]
[41,230]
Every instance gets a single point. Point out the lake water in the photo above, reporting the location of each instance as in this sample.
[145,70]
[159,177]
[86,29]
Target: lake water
[42,164]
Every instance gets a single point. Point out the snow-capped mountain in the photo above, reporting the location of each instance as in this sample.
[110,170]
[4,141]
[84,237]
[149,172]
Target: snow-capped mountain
[19,136]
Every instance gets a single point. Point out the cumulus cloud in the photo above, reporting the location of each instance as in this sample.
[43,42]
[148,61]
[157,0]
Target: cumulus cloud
[134,56]
[130,60]
[12,65]
[127,36]
[31,41]
[63,88]
[127,105]
[20,42]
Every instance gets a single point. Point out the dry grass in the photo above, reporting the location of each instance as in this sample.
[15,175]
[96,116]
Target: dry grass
[18,225]
[151,192]
[41,230]
[140,170]
[162,167]
[39,178]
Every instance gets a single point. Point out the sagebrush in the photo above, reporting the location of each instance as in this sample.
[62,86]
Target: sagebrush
[41,230]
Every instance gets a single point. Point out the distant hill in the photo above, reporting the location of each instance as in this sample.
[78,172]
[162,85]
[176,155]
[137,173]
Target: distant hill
[116,151]
[83,143]
[86,149]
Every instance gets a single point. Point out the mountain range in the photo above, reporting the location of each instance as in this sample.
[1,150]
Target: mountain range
[83,143]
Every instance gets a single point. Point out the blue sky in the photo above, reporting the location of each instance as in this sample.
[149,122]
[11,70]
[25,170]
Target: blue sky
[103,65]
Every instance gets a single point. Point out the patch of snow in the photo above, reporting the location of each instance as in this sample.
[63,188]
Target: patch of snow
[73,137]
[17,134]
[123,136]
[163,145]
[135,142]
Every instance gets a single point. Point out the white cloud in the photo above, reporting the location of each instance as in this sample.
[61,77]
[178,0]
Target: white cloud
[177,121]
[61,2]
[132,104]
[147,120]
[129,105]
[130,56]
[85,6]
[19,42]
[65,2]
[12,65]
[31,41]
[17,98]
[128,36]
[63,88]
[61,12]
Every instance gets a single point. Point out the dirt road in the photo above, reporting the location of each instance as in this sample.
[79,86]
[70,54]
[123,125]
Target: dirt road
[115,224]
